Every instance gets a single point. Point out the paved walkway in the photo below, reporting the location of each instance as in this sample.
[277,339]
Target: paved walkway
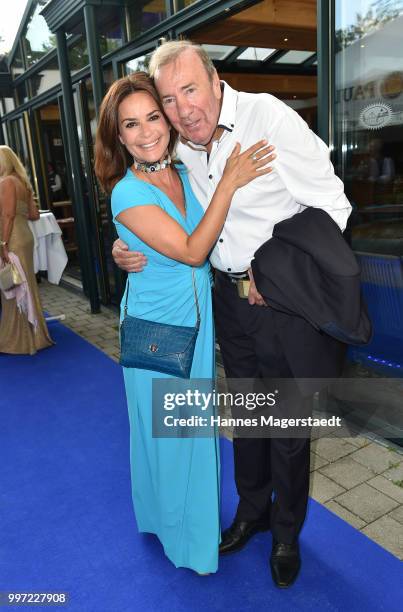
[356,478]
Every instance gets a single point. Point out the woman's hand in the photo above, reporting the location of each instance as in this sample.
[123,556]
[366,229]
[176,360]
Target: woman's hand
[130,261]
[242,168]
[4,255]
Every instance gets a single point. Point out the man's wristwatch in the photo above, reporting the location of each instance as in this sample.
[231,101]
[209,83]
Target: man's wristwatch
[3,243]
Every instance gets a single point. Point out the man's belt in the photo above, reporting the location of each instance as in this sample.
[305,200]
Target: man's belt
[235,276]
[241,280]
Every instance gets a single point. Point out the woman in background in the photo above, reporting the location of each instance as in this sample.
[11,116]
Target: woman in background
[22,330]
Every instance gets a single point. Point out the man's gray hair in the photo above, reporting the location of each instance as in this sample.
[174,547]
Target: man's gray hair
[168,52]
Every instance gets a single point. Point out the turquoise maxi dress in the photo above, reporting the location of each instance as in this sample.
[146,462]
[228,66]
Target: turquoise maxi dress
[175,481]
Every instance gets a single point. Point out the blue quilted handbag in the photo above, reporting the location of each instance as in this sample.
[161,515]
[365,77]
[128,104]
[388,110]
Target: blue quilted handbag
[149,345]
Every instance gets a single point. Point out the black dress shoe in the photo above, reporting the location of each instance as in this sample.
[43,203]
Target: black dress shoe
[285,563]
[240,532]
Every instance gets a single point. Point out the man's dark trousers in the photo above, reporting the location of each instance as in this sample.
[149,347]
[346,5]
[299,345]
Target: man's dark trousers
[259,342]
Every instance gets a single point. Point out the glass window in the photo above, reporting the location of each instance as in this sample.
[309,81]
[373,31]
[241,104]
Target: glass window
[144,15]
[294,57]
[10,135]
[17,66]
[368,143]
[369,121]
[138,63]
[256,54]
[181,4]
[21,93]
[106,228]
[218,52]
[15,137]
[78,56]
[45,79]
[38,40]
[109,22]
[5,134]
[9,105]
[24,151]
[108,76]
[20,144]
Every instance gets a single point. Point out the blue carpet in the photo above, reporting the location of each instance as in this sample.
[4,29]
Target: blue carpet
[66,520]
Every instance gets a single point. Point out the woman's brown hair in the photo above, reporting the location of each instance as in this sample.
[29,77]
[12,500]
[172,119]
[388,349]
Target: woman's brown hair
[111,156]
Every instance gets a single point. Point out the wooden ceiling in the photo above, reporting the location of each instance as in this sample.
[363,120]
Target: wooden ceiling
[266,24]
[50,113]
[283,86]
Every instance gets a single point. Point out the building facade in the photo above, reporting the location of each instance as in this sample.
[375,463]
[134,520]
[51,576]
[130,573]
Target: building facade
[338,63]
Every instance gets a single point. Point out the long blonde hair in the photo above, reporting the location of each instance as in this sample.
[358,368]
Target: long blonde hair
[10,164]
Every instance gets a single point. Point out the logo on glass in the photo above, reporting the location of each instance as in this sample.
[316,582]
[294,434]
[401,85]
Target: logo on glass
[375,116]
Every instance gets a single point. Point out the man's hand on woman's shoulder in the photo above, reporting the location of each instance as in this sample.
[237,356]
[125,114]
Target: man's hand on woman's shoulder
[129,261]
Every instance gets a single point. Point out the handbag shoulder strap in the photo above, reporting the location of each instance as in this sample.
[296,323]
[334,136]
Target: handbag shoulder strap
[196,299]
[195,294]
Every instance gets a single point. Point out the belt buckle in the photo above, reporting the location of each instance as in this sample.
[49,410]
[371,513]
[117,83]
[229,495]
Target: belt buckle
[243,285]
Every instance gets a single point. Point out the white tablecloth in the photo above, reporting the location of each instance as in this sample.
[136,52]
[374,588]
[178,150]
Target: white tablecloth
[49,251]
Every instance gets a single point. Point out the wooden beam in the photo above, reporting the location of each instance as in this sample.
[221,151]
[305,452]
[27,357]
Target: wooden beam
[282,13]
[282,86]
[222,33]
[266,24]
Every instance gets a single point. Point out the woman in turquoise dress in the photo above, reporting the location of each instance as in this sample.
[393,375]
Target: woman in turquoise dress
[175,481]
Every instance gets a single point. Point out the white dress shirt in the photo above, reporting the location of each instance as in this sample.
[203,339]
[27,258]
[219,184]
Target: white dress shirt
[303,175]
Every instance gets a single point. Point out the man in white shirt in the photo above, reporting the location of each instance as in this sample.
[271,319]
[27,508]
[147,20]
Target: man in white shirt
[255,340]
